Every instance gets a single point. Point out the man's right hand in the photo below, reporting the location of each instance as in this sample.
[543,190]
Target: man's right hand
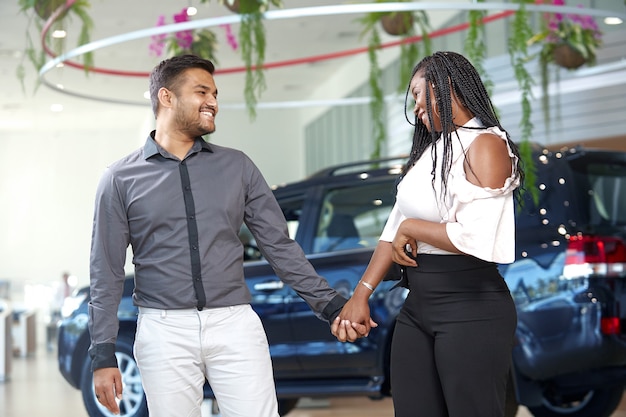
[353,322]
[107,384]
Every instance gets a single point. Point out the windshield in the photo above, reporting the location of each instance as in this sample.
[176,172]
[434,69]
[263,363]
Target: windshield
[606,187]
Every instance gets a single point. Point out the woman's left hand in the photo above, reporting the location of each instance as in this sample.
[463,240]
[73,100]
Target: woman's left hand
[403,245]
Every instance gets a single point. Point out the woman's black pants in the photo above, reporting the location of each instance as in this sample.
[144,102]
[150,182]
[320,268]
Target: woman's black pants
[451,348]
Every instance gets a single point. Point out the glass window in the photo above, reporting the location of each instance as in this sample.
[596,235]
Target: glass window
[607,190]
[292,209]
[353,217]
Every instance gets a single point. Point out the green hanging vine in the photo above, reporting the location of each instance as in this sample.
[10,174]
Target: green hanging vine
[475,46]
[397,24]
[58,12]
[377,102]
[252,41]
[518,52]
[410,51]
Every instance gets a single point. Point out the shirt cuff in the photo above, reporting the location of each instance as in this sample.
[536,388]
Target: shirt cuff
[103,356]
[332,310]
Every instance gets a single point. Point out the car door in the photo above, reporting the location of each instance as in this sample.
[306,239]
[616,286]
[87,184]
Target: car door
[345,223]
[270,296]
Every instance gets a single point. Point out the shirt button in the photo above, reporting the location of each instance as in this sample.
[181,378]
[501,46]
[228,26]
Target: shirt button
[192,217]
[194,247]
[187,187]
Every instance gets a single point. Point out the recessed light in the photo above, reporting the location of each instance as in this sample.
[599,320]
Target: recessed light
[191,11]
[60,33]
[56,108]
[146,95]
[613,20]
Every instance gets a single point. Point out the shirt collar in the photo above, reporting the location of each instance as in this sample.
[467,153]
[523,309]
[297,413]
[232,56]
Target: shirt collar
[151,148]
[473,123]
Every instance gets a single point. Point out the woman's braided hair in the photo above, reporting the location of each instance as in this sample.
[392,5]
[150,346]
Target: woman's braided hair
[446,70]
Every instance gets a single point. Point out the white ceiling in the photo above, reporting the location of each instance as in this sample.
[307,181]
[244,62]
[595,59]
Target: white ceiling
[287,39]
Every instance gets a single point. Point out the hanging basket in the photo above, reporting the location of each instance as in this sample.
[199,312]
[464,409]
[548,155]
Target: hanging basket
[232,7]
[244,6]
[397,24]
[568,57]
[45,8]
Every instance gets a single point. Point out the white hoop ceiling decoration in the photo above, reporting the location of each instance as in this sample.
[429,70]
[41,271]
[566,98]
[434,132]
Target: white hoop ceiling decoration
[317,11]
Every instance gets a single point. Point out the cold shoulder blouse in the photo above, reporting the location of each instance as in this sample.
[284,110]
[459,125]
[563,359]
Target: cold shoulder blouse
[480,221]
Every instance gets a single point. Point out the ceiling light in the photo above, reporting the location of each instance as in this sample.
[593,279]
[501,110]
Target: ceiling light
[613,21]
[59,34]
[191,11]
[56,108]
[146,95]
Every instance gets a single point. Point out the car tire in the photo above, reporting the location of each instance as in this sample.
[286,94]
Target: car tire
[133,402]
[285,405]
[600,402]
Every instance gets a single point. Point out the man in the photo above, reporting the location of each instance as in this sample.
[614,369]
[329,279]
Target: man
[180,202]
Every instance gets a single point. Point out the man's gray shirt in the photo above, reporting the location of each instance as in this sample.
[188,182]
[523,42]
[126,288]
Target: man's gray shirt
[182,220]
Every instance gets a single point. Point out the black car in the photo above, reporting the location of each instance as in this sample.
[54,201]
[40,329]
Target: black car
[567,282]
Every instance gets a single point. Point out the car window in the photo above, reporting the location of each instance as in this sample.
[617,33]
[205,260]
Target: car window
[602,179]
[607,189]
[292,209]
[353,217]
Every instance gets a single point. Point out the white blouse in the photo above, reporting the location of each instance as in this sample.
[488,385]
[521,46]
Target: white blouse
[480,221]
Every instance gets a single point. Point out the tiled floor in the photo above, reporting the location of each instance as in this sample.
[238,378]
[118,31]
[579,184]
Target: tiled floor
[36,388]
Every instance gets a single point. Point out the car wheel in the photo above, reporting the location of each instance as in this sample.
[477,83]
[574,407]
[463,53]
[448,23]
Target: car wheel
[133,402]
[595,403]
[285,405]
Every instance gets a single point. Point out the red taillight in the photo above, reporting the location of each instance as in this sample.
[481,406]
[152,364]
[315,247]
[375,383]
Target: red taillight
[587,255]
[610,325]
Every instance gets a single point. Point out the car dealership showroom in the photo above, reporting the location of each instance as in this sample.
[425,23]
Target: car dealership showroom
[316,94]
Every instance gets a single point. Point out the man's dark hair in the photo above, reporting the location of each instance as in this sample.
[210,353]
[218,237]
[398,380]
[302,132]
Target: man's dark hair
[167,74]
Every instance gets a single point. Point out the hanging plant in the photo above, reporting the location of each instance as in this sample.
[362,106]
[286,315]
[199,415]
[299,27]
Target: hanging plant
[567,41]
[252,42]
[202,43]
[475,47]
[518,52]
[401,24]
[51,16]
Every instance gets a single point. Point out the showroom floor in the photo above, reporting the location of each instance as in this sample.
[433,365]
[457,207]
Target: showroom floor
[35,388]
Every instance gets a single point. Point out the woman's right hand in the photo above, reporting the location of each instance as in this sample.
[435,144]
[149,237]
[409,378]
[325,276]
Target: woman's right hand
[353,322]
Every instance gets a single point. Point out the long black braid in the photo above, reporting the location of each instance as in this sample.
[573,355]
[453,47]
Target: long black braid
[443,70]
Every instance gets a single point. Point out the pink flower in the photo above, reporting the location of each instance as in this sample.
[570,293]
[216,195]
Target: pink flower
[230,38]
[185,37]
[158,41]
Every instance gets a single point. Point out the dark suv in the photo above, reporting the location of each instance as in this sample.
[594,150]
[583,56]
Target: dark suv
[567,282]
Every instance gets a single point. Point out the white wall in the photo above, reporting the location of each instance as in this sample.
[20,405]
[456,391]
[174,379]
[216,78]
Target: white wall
[48,180]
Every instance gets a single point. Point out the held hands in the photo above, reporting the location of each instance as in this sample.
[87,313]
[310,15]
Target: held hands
[353,322]
[107,384]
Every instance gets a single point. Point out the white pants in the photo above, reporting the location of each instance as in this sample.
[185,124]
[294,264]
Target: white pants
[177,349]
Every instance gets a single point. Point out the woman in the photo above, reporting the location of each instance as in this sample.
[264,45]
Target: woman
[452,224]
